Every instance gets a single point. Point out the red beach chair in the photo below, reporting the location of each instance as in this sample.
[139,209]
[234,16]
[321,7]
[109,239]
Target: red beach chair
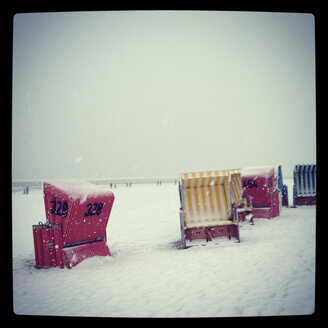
[77,213]
[259,184]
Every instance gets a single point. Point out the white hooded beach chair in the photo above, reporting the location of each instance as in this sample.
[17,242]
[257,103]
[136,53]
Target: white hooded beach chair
[304,189]
[206,210]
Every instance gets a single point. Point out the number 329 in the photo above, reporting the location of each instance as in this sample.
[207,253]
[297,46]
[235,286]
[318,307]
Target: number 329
[59,208]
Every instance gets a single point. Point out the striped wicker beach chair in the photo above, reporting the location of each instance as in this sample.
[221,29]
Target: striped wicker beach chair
[243,203]
[304,189]
[206,210]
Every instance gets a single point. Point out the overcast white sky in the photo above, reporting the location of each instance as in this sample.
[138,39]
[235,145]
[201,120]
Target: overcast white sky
[157,93]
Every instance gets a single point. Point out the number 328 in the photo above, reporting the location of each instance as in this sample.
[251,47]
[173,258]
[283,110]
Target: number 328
[94,209]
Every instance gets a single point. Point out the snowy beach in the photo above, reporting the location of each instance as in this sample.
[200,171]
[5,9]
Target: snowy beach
[271,272]
[147,95]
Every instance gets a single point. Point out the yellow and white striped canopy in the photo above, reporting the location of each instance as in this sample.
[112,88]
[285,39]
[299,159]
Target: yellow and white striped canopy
[236,186]
[206,198]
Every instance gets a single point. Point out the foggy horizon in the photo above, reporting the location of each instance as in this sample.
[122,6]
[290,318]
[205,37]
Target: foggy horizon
[144,94]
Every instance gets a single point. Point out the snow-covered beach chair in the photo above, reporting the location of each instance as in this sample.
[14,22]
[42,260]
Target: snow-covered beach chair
[243,203]
[206,210]
[77,213]
[304,191]
[260,184]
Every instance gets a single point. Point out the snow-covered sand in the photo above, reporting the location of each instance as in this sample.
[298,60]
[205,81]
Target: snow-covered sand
[271,272]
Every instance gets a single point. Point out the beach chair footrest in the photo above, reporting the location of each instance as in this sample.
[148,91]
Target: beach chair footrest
[309,200]
[212,232]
